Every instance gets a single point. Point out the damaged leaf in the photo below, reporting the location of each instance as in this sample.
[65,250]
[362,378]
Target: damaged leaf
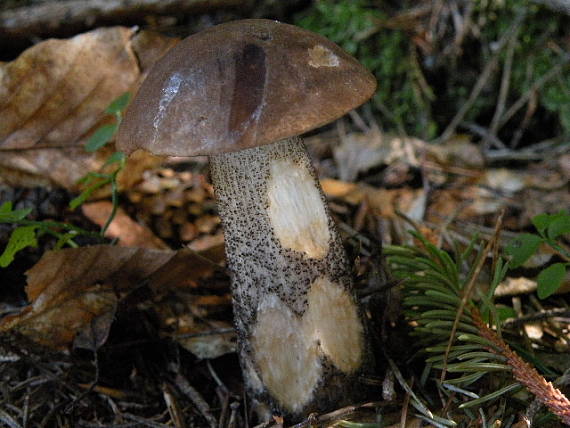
[126,230]
[54,97]
[75,292]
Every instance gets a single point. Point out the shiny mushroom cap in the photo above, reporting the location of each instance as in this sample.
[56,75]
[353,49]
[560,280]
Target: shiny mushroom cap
[239,85]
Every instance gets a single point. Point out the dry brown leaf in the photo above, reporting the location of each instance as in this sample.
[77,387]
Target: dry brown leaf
[382,202]
[206,340]
[463,203]
[187,267]
[458,151]
[69,289]
[129,232]
[207,242]
[55,91]
[53,97]
[514,286]
[359,152]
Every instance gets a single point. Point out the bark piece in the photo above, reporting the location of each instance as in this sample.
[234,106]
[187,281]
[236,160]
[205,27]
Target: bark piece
[53,17]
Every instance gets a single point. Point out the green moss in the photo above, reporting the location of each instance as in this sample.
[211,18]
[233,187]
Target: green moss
[536,53]
[405,99]
[360,30]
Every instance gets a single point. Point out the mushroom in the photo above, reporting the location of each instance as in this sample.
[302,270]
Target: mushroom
[241,93]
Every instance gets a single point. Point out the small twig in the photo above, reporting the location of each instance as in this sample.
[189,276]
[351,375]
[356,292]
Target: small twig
[462,25]
[421,407]
[26,413]
[533,88]
[98,425]
[540,316]
[530,110]
[404,414]
[481,81]
[176,415]
[196,398]
[546,149]
[503,92]
[233,415]
[359,122]
[487,134]
[8,420]
[204,333]
[328,417]
[216,378]
[386,112]
[144,422]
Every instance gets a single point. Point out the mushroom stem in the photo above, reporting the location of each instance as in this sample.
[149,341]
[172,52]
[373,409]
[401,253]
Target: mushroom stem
[301,335]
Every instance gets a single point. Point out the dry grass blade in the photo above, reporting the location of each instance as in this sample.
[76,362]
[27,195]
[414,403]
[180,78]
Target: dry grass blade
[483,78]
[469,290]
[5,418]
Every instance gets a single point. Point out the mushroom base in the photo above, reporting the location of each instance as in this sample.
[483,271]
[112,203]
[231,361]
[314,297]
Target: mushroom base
[302,338]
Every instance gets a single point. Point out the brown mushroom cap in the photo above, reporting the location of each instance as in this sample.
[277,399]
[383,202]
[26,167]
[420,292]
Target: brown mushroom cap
[239,85]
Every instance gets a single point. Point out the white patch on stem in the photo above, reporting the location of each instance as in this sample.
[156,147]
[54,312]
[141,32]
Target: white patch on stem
[288,361]
[287,349]
[332,320]
[296,210]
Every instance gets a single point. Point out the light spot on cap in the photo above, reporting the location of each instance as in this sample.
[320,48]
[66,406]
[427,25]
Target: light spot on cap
[168,94]
[320,56]
[296,210]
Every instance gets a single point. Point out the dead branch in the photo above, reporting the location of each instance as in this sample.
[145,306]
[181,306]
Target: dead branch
[54,17]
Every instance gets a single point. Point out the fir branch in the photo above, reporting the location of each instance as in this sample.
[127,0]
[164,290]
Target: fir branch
[527,375]
[468,291]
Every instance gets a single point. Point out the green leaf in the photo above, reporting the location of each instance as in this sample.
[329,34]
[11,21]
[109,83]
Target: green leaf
[21,237]
[9,216]
[559,226]
[522,248]
[505,312]
[117,157]
[119,104]
[86,194]
[541,222]
[552,225]
[101,137]
[6,207]
[550,279]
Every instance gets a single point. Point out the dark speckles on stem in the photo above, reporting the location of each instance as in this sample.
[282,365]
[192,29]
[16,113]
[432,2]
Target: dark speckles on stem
[262,270]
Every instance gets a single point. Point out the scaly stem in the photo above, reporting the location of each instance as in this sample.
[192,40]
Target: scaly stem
[301,336]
